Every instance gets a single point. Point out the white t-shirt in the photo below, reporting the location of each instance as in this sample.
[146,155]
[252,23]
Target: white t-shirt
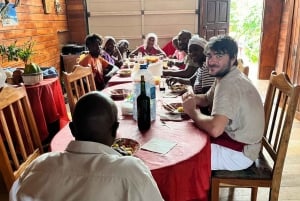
[235,97]
[86,171]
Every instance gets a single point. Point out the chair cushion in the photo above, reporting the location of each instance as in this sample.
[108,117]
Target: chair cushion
[260,169]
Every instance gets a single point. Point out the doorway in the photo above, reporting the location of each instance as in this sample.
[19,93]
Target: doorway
[245,26]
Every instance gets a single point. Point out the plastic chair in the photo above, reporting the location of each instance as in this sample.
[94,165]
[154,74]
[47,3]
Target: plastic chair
[19,138]
[78,83]
[280,107]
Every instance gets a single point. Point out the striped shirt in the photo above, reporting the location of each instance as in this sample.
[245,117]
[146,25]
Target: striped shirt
[203,80]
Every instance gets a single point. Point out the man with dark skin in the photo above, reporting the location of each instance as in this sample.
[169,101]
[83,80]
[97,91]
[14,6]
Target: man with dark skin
[190,67]
[102,69]
[89,169]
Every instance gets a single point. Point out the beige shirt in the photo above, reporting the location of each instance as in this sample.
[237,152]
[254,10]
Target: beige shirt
[235,97]
[86,171]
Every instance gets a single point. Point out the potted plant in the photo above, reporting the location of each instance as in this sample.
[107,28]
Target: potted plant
[9,52]
[32,72]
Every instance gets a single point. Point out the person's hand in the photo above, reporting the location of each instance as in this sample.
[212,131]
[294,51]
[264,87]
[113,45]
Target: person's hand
[170,63]
[171,81]
[189,103]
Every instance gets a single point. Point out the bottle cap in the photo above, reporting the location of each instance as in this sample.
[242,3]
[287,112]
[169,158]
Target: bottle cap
[143,66]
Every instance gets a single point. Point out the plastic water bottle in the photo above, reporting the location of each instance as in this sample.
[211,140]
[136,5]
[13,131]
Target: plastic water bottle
[150,90]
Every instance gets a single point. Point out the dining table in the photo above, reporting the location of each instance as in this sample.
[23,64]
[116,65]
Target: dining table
[117,79]
[183,172]
[48,106]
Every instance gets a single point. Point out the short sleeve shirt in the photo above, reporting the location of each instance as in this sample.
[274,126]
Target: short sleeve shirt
[235,97]
[98,65]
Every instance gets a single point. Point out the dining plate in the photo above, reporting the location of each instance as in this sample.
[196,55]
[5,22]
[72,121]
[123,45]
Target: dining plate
[124,72]
[178,88]
[126,146]
[173,108]
[119,94]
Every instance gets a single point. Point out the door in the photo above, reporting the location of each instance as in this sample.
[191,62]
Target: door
[133,19]
[214,19]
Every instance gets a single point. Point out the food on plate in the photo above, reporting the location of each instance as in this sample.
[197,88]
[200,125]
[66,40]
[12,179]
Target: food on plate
[126,146]
[124,72]
[178,88]
[119,94]
[180,109]
[173,107]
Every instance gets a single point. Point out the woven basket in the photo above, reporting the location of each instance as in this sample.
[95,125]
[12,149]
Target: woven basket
[33,78]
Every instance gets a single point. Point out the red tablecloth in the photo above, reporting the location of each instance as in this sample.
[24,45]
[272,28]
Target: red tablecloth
[181,174]
[47,103]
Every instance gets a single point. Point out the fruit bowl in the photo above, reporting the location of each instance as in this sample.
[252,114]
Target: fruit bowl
[32,78]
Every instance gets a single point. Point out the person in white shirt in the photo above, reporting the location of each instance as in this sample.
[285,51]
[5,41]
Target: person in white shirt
[89,169]
[236,123]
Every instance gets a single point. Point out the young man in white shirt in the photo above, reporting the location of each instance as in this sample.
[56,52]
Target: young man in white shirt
[236,122]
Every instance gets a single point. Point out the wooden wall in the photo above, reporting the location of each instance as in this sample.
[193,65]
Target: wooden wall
[49,31]
[77,20]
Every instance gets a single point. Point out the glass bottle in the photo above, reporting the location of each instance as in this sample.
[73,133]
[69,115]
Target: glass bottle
[143,108]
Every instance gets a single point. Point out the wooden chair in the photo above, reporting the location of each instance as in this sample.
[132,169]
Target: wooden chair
[78,83]
[242,68]
[280,106]
[19,138]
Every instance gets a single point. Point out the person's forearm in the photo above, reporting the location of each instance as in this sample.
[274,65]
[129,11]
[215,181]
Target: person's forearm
[185,81]
[207,123]
[201,100]
[176,73]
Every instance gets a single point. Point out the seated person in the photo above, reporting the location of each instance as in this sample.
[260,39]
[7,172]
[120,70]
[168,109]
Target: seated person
[103,70]
[236,123]
[123,46]
[189,67]
[183,38]
[110,52]
[150,47]
[201,80]
[178,54]
[89,169]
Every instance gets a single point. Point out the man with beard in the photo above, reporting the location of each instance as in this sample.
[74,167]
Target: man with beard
[236,122]
[102,69]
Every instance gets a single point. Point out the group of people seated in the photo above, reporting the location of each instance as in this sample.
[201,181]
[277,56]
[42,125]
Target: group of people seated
[224,103]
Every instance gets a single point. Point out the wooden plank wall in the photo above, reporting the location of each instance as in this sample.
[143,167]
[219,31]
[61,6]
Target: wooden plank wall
[76,15]
[49,31]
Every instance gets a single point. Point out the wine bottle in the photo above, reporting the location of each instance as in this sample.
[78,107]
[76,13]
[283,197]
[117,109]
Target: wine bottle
[143,108]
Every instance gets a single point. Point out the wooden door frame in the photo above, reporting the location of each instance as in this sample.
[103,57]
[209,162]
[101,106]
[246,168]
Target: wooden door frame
[271,23]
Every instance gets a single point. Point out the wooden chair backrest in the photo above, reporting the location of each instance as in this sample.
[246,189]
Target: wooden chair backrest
[78,83]
[242,68]
[20,143]
[280,107]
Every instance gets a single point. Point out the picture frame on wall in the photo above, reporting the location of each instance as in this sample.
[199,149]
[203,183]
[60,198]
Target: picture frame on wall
[47,6]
